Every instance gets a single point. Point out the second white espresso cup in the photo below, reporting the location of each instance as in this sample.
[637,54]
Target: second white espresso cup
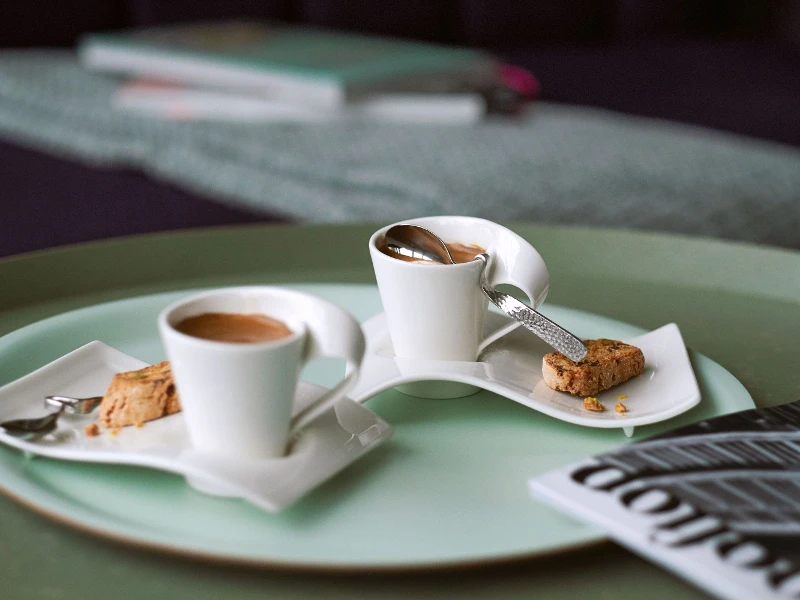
[437,312]
[237,398]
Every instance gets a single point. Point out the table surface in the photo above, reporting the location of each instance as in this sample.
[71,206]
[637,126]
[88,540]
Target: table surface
[738,304]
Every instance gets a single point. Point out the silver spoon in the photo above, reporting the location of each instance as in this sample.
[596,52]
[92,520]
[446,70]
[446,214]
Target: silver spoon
[413,241]
[417,242]
[23,427]
[73,406]
[42,425]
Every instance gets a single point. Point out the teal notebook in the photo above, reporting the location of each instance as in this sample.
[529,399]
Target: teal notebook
[292,63]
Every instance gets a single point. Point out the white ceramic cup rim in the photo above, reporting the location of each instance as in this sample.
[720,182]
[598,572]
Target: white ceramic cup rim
[298,327]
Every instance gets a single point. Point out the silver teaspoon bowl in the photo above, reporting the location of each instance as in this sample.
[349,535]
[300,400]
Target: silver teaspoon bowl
[418,242]
[413,241]
[47,423]
[24,427]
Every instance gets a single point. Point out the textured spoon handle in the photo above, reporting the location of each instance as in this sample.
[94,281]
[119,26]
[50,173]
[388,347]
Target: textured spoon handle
[552,333]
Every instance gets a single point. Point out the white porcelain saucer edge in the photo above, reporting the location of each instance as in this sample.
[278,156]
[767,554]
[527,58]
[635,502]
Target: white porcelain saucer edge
[665,353]
[325,447]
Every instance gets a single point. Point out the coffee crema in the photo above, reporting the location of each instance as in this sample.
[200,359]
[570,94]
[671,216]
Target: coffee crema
[461,253]
[234,328]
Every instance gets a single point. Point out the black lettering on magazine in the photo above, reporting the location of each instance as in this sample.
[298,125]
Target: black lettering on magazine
[583,475]
[700,526]
[666,502]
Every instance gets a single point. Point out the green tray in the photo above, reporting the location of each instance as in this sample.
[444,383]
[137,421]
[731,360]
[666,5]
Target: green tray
[735,303]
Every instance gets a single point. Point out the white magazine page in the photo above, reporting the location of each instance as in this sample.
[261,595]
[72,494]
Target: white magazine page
[717,503]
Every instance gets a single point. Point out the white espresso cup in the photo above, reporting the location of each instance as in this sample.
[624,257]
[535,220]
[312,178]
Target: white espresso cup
[237,398]
[437,312]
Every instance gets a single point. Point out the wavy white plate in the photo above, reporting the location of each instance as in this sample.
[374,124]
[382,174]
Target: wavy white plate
[322,449]
[512,367]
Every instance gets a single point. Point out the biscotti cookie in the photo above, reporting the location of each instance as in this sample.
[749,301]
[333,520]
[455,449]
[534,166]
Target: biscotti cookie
[607,363]
[134,397]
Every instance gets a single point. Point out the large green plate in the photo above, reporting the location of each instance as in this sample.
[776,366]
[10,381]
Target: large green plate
[449,488]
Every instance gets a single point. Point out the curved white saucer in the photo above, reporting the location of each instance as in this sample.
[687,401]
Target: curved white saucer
[511,366]
[323,448]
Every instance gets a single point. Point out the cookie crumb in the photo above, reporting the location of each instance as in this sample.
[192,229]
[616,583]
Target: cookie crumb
[592,404]
[621,408]
[622,397]
[140,424]
[92,430]
[115,432]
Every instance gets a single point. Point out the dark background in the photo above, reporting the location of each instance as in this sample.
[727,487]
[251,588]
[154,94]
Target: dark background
[733,65]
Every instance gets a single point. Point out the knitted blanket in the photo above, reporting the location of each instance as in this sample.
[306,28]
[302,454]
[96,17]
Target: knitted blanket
[557,163]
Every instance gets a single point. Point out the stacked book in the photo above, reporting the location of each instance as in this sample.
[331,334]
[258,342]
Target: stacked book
[265,72]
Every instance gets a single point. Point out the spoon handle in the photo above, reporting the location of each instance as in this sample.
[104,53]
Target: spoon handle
[552,333]
[73,406]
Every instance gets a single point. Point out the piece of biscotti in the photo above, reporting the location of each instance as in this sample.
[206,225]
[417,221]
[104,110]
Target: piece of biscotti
[134,397]
[607,363]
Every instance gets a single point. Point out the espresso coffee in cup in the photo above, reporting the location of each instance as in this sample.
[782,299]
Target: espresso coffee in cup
[234,328]
[461,253]
[238,398]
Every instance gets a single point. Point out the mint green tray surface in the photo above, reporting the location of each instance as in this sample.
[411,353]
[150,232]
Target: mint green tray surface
[737,304]
[449,487]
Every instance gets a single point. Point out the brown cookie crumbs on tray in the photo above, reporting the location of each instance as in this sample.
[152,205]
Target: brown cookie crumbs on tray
[92,430]
[621,408]
[593,405]
[607,363]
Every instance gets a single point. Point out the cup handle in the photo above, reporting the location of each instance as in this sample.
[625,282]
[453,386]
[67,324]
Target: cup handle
[333,333]
[527,271]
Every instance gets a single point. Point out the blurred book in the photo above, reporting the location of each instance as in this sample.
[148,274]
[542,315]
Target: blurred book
[294,65]
[175,102]
[717,503]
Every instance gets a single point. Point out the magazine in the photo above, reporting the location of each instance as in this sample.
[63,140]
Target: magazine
[717,502]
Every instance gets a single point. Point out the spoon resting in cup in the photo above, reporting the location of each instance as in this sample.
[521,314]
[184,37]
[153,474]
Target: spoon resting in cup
[413,241]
